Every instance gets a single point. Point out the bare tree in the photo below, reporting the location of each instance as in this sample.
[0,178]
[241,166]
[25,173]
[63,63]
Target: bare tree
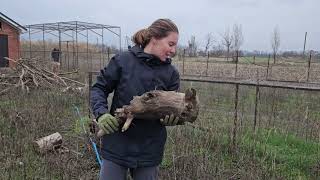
[192,47]
[209,42]
[237,38]
[275,43]
[227,40]
[217,50]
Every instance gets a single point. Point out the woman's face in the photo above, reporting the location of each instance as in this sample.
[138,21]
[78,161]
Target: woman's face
[166,47]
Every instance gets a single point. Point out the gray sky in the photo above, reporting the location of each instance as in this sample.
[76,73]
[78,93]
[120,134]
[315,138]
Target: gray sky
[257,17]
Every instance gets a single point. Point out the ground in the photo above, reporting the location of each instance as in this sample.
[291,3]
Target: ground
[277,138]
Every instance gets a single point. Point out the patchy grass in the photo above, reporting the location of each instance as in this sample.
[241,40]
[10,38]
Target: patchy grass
[286,148]
[268,155]
[284,154]
[27,117]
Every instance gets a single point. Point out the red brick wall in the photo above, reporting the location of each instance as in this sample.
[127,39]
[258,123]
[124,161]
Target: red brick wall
[13,40]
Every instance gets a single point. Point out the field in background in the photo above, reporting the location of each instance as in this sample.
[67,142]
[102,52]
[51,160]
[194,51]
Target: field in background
[89,57]
[285,69]
[285,144]
[278,140]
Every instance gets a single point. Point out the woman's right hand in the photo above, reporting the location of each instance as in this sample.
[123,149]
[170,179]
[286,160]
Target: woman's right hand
[108,124]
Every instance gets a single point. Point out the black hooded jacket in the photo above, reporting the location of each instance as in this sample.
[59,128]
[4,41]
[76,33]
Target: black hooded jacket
[129,74]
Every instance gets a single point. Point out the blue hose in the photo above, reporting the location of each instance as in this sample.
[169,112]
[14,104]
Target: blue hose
[94,145]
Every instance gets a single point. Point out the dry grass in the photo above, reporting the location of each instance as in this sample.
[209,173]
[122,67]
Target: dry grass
[285,145]
[200,152]
[26,117]
[206,152]
[284,70]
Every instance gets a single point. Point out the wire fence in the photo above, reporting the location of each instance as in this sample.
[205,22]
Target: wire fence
[252,106]
[295,69]
[73,60]
[277,124]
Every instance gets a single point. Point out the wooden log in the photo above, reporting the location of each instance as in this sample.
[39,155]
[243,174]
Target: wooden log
[157,104]
[49,142]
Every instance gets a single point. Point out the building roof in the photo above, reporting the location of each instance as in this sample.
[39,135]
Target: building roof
[12,22]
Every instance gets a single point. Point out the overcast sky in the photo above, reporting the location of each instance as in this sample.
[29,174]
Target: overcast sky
[198,17]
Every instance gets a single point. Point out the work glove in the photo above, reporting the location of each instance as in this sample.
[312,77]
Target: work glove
[170,120]
[108,124]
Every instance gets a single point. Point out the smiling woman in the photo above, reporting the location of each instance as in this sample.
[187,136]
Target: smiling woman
[159,39]
[163,48]
[145,67]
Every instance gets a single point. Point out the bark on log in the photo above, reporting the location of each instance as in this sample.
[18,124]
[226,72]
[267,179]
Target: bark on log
[49,142]
[157,104]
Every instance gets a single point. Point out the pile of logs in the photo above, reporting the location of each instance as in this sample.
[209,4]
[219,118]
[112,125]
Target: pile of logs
[31,73]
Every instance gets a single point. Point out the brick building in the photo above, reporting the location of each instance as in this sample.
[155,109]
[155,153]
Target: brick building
[9,39]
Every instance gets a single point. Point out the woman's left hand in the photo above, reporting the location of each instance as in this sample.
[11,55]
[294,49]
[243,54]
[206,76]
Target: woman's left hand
[170,120]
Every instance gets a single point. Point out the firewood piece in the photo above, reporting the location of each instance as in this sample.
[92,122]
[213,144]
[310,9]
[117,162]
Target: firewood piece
[157,104]
[49,142]
[73,81]
[12,87]
[35,80]
[67,73]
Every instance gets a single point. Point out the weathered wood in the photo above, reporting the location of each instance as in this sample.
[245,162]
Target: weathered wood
[34,75]
[157,104]
[48,143]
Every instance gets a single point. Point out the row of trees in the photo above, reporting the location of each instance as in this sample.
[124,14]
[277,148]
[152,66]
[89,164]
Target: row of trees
[228,45]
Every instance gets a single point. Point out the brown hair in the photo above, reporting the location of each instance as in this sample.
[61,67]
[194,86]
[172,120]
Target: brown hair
[158,29]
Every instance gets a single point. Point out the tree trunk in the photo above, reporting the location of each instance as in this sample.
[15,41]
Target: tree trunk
[228,51]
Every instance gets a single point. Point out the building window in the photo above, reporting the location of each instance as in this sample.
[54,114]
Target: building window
[0,26]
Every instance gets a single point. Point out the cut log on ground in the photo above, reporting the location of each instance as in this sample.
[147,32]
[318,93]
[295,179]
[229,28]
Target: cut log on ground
[157,104]
[48,143]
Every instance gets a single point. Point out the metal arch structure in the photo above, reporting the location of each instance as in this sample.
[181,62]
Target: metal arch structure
[73,30]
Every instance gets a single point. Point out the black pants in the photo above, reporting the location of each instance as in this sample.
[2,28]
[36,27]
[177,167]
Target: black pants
[112,171]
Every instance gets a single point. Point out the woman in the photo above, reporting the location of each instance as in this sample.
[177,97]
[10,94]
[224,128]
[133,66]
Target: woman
[145,67]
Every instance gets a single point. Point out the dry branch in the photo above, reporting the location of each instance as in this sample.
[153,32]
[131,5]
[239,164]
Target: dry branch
[29,73]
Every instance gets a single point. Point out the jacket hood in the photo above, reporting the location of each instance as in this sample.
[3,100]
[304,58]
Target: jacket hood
[150,59]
